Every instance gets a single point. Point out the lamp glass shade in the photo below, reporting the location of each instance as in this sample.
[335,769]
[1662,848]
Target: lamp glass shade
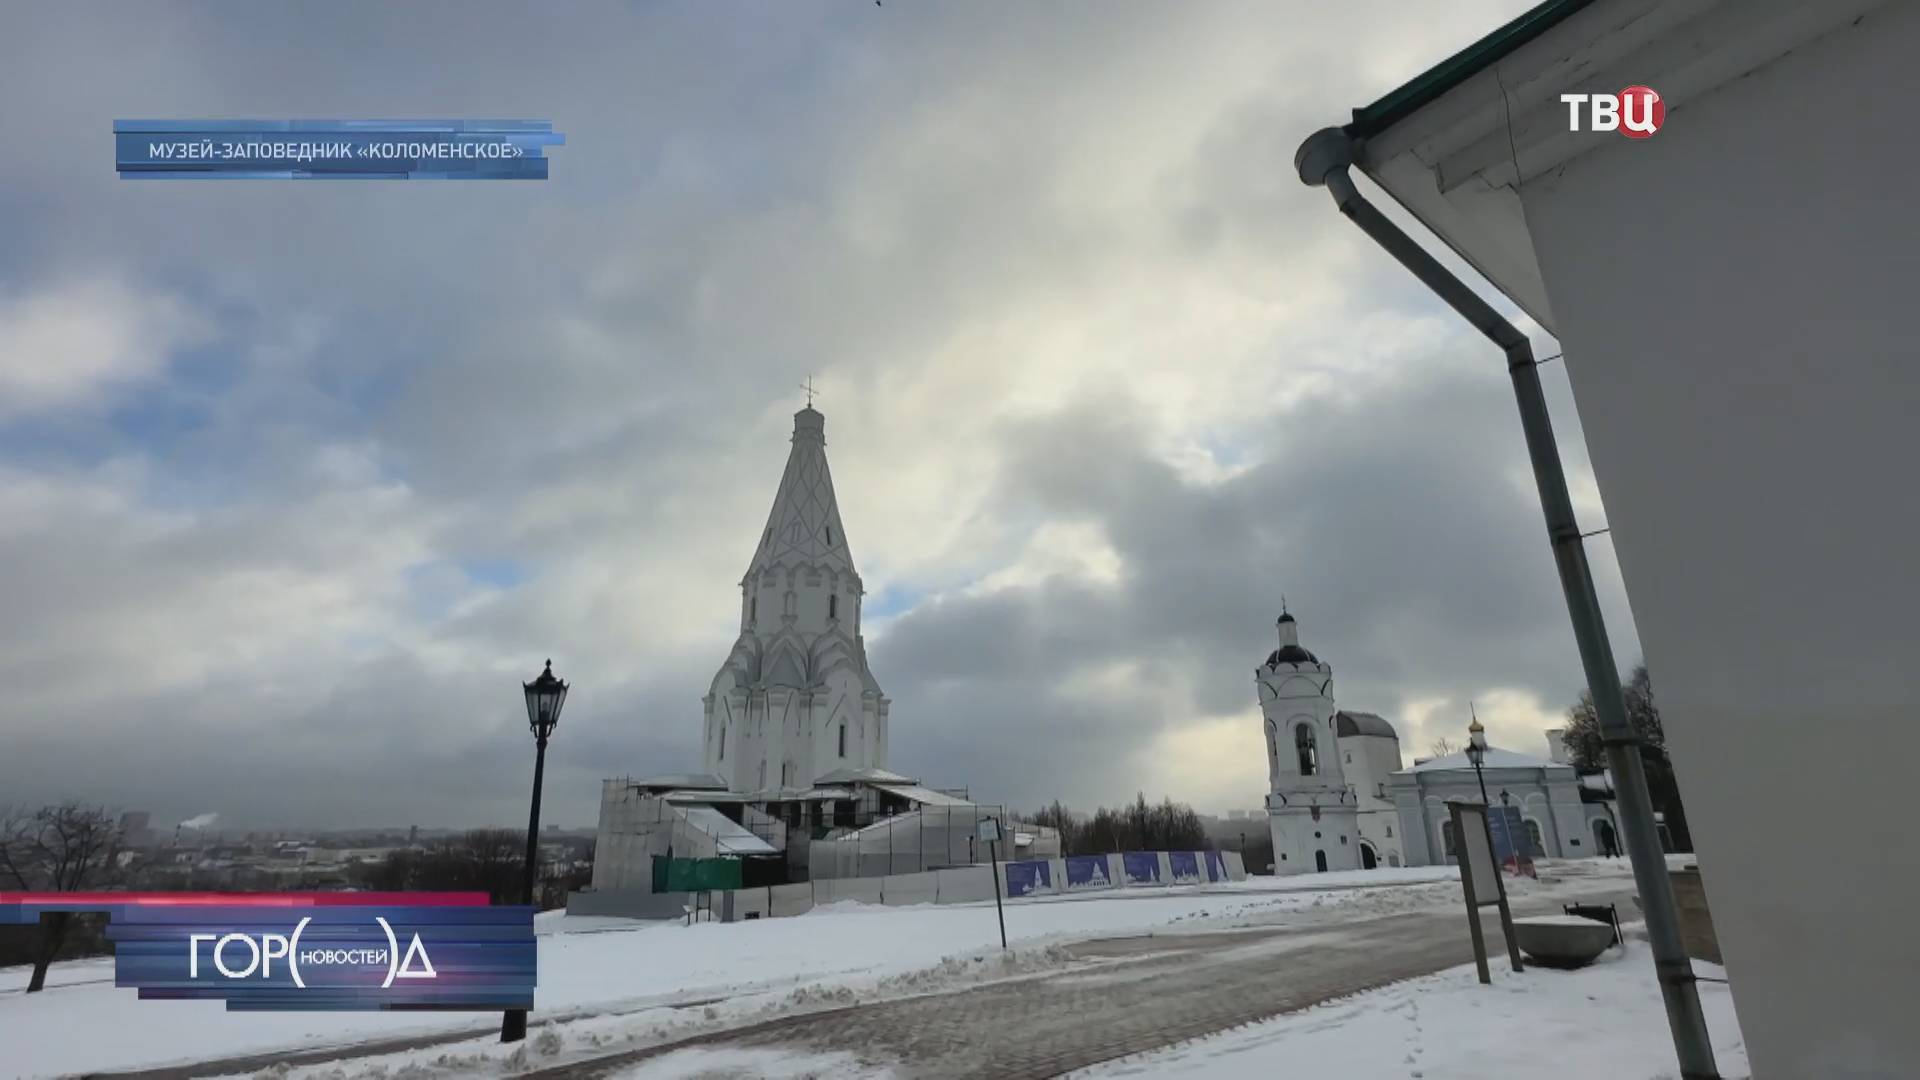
[545,696]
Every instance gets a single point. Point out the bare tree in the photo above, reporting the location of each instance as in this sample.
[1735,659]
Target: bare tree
[1443,746]
[62,848]
[1589,752]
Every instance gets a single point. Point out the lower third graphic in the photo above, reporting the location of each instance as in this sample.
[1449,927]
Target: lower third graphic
[311,951]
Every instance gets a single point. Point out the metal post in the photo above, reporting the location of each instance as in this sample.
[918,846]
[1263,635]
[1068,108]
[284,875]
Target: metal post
[513,1025]
[993,855]
[1323,160]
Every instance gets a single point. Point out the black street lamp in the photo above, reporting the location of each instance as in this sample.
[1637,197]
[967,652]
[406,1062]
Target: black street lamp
[1477,753]
[545,695]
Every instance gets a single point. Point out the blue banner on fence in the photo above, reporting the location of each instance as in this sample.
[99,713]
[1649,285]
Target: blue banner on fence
[1216,866]
[1510,838]
[1026,878]
[1185,866]
[1143,867]
[333,149]
[311,952]
[1087,872]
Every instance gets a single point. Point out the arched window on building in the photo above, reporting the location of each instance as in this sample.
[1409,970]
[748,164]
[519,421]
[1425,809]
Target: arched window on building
[723,741]
[1536,838]
[833,606]
[763,775]
[753,610]
[1304,745]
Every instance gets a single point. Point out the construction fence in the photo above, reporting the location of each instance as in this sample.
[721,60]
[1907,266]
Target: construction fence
[953,885]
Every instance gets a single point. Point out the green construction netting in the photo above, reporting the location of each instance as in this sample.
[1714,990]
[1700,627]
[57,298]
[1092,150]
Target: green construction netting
[694,875]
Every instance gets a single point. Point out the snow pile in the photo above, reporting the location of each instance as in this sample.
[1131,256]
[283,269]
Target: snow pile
[1603,1022]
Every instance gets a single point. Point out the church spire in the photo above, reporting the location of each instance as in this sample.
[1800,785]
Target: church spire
[804,525]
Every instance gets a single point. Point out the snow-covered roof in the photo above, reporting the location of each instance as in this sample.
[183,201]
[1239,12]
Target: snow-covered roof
[728,836]
[706,781]
[869,776]
[1496,759]
[923,796]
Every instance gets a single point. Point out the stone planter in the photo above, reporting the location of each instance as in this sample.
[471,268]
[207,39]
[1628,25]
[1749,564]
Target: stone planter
[1562,941]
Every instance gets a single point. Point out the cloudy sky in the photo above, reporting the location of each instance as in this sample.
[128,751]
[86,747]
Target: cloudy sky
[299,480]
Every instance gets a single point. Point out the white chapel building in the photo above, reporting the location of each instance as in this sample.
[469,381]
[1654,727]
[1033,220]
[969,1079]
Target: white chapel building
[1327,769]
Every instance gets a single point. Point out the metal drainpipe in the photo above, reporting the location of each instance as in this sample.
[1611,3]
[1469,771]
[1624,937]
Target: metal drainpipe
[1323,160]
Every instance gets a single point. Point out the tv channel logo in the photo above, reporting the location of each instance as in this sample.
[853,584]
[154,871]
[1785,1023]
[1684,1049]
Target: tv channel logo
[1636,112]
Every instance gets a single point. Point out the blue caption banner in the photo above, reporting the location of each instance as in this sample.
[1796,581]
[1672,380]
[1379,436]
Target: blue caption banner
[336,952]
[333,149]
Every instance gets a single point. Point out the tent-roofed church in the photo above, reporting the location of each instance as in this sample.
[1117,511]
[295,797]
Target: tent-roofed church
[795,698]
[793,733]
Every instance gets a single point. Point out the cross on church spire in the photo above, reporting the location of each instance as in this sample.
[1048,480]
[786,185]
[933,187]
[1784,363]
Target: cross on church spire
[808,387]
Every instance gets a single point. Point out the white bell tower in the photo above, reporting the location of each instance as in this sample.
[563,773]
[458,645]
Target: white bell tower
[1311,811]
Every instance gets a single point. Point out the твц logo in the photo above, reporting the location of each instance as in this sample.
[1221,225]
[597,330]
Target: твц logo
[1635,112]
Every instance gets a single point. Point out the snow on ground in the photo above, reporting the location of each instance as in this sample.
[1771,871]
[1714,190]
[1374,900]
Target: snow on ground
[613,982]
[1603,1022]
[702,1063]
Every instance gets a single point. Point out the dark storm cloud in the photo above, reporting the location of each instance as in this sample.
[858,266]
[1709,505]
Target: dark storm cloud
[240,555]
[1392,525]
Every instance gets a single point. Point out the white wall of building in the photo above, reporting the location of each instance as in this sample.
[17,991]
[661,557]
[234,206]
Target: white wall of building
[1368,761]
[1735,300]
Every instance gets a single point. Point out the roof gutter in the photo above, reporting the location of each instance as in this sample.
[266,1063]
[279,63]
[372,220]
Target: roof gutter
[1323,161]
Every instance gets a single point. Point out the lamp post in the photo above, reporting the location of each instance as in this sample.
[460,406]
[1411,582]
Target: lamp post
[545,696]
[1477,753]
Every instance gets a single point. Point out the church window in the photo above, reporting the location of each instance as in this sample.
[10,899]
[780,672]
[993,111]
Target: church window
[829,536]
[1349,759]
[723,742]
[1446,837]
[1343,839]
[1389,832]
[1533,834]
[753,610]
[1303,745]
[833,607]
[763,776]
[786,774]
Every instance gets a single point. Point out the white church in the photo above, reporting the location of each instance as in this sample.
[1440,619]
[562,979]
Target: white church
[794,735]
[1339,797]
